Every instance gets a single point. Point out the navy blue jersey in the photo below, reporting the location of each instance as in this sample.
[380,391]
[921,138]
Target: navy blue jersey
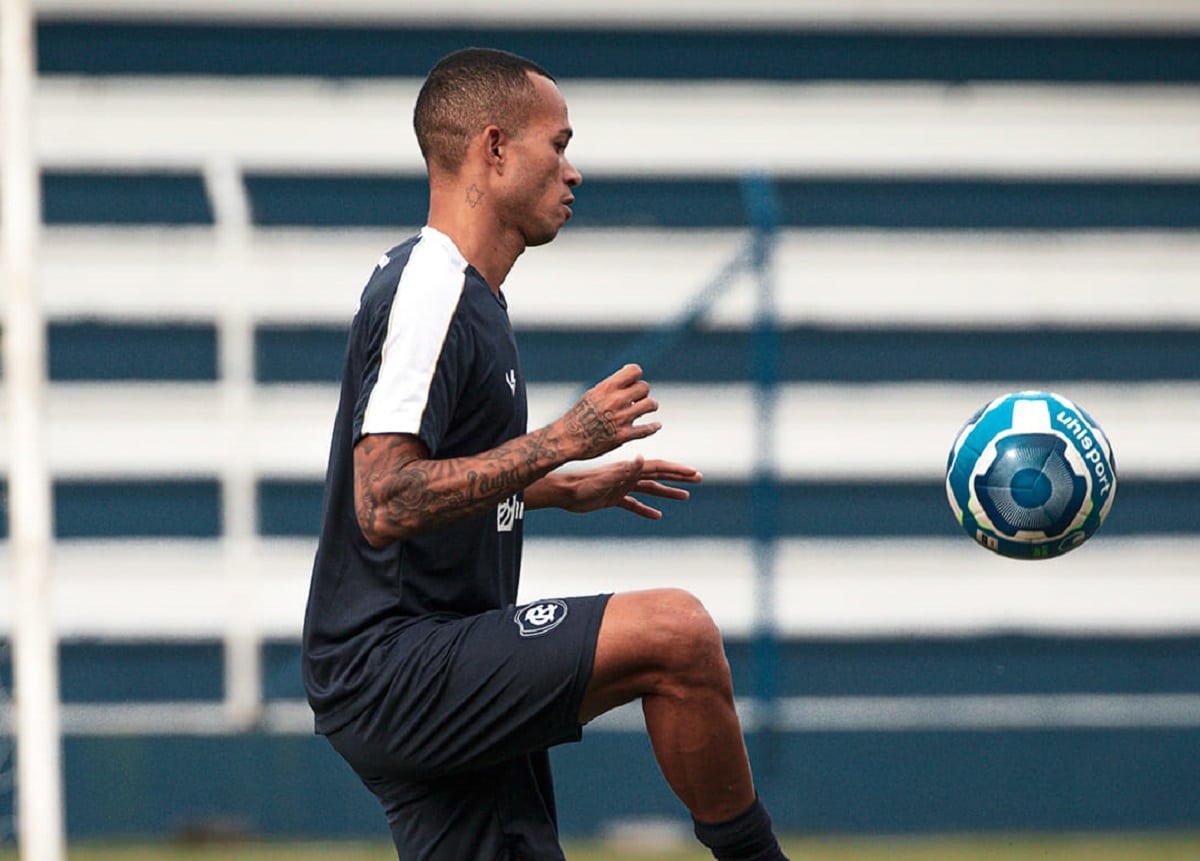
[431,353]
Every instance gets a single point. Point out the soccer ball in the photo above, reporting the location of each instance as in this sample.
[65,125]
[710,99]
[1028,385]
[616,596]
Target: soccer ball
[1031,476]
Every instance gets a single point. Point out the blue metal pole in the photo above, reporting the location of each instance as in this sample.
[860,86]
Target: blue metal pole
[762,209]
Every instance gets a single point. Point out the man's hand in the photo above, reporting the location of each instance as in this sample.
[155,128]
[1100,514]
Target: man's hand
[603,419]
[613,485]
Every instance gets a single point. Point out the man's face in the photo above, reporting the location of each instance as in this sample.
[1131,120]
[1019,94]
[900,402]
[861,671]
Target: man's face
[539,183]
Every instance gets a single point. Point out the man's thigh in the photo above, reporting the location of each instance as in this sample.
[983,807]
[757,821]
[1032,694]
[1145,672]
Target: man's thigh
[473,692]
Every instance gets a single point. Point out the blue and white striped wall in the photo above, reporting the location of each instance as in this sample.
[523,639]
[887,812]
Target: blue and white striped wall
[973,199]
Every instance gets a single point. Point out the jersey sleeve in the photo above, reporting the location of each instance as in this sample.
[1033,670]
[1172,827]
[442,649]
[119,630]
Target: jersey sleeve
[414,354]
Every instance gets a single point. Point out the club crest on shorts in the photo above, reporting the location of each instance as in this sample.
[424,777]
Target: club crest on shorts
[540,617]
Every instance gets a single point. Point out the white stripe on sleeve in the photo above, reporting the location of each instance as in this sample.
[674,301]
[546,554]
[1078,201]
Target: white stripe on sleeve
[426,297]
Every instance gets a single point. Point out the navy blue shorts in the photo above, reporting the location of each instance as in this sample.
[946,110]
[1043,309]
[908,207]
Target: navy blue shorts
[456,749]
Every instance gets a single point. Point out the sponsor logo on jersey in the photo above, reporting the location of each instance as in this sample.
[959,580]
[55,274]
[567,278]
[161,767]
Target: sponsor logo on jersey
[511,379]
[508,513]
[540,617]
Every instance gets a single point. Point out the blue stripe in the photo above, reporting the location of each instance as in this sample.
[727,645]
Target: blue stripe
[128,508]
[863,355]
[919,666]
[180,788]
[394,200]
[779,54]
[94,350]
[287,200]
[188,789]
[986,204]
[124,197]
[299,353]
[289,508]
[105,671]
[356,200]
[877,509]
[1040,357]
[723,509]
[116,672]
[977,665]
[920,782]
[886,782]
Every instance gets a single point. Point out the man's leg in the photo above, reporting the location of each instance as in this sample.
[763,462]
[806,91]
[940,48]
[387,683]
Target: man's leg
[662,646]
[454,749]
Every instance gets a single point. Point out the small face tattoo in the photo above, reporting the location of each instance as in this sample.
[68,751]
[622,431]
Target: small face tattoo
[474,196]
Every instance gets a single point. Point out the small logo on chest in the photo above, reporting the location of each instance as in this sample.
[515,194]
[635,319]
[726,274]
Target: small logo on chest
[511,379]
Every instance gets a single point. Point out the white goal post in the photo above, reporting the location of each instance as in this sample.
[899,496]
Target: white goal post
[38,793]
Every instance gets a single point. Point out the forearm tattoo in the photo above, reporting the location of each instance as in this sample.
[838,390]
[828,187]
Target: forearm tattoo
[400,494]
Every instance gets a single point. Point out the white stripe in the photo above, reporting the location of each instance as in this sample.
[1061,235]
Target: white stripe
[149,590]
[865,278]
[878,432]
[426,297]
[984,712]
[826,432]
[893,587]
[992,712]
[1119,15]
[952,713]
[640,278]
[874,128]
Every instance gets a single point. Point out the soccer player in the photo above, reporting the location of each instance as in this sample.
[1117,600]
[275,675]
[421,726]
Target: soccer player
[422,673]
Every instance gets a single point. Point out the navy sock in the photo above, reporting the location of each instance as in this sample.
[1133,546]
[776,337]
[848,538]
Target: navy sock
[745,837]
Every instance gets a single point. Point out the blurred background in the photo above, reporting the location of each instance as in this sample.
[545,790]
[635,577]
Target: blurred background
[829,231]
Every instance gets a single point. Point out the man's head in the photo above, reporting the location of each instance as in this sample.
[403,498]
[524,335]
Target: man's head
[494,130]
[466,92]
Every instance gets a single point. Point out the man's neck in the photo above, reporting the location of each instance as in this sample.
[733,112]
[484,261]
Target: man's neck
[474,233]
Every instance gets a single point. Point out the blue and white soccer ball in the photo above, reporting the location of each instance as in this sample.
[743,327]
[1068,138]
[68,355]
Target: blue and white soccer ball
[1031,476]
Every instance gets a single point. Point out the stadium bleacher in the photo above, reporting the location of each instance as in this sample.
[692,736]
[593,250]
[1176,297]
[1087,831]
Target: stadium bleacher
[970,202]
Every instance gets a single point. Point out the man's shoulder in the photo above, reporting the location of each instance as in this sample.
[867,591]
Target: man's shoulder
[390,265]
[379,292]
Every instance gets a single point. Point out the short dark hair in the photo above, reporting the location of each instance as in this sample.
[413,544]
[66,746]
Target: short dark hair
[466,92]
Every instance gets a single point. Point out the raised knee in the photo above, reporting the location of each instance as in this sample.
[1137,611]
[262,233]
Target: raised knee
[687,616]
[691,644]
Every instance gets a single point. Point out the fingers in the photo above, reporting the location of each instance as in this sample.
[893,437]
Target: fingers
[640,508]
[626,387]
[626,374]
[663,491]
[665,470]
[643,430]
[626,392]
[643,405]
[639,476]
[635,477]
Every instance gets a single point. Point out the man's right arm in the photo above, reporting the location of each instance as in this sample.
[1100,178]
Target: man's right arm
[400,491]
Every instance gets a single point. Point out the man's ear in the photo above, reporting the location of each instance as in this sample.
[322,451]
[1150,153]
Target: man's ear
[493,146]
